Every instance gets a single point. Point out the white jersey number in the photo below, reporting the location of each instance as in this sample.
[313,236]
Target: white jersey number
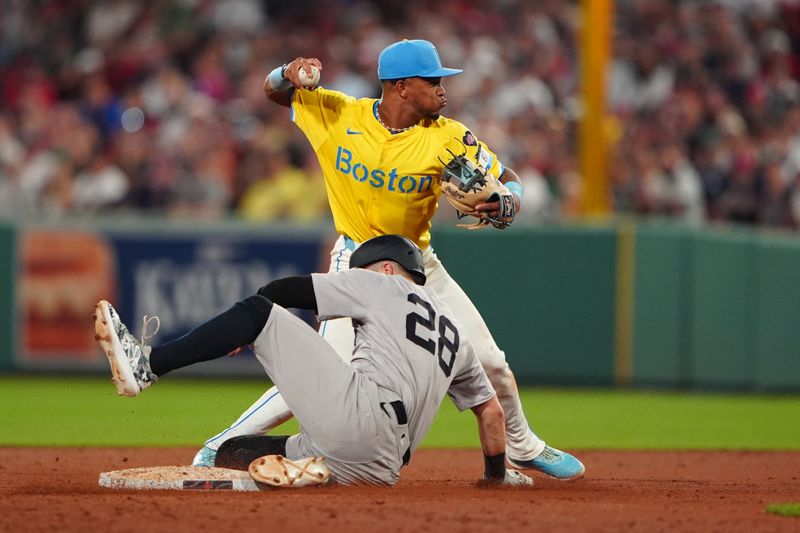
[443,343]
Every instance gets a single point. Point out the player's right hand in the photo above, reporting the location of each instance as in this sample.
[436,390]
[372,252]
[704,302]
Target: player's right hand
[292,69]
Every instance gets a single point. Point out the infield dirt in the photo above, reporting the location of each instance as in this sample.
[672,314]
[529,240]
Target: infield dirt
[55,489]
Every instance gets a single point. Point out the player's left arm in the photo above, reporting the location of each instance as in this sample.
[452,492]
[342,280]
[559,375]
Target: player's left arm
[511,180]
[491,428]
[488,160]
[471,387]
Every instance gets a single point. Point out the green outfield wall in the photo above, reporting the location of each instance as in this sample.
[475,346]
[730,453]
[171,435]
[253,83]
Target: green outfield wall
[776,349]
[708,309]
[721,309]
[661,292]
[547,295]
[7,310]
[630,304]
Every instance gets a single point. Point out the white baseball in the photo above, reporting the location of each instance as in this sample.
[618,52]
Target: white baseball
[309,81]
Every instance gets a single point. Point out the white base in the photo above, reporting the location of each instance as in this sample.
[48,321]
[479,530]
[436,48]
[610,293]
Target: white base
[180,478]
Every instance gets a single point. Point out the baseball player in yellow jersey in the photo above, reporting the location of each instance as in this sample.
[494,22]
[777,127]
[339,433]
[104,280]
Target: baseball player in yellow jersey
[380,159]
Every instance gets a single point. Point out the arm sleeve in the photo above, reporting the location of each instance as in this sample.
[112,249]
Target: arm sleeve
[295,291]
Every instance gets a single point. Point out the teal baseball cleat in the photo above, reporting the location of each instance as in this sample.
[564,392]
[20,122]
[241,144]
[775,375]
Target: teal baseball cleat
[205,457]
[554,463]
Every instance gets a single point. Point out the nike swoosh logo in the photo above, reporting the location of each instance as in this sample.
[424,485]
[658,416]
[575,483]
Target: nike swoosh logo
[353,132]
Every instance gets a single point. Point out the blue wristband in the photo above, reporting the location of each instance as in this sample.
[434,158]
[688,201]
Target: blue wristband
[515,188]
[276,79]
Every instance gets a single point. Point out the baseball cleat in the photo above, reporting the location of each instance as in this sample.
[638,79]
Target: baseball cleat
[554,463]
[278,471]
[512,478]
[129,358]
[516,479]
[205,457]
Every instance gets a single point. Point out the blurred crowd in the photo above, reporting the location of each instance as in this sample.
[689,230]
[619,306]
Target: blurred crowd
[707,99]
[116,105]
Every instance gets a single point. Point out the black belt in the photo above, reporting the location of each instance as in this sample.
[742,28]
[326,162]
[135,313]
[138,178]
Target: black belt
[402,419]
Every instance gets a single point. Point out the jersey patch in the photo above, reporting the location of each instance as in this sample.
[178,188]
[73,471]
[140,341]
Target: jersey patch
[483,158]
[469,139]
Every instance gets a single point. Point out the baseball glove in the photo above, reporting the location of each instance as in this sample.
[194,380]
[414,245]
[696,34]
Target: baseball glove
[465,185]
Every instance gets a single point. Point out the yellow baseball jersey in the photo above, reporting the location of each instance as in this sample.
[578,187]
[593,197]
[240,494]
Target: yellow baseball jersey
[378,182]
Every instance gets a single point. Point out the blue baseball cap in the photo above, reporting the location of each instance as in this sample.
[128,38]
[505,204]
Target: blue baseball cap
[412,59]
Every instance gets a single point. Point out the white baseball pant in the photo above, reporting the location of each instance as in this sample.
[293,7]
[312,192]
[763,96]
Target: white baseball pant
[339,409]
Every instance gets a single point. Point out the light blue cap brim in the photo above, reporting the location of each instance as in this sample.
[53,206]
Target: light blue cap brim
[441,72]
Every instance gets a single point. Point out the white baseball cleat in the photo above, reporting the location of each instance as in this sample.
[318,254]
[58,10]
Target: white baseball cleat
[516,479]
[128,357]
[278,471]
[512,478]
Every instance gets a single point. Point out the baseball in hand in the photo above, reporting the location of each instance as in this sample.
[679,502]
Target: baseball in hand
[309,81]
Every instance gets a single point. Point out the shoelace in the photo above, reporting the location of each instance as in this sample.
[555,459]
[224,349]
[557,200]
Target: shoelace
[549,454]
[146,320]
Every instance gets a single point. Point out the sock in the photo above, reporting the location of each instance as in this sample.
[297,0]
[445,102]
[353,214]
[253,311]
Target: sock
[234,328]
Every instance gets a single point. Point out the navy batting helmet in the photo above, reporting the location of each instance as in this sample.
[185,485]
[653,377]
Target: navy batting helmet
[391,248]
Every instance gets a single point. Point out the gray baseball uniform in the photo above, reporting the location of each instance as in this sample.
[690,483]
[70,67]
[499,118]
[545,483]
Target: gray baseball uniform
[368,417]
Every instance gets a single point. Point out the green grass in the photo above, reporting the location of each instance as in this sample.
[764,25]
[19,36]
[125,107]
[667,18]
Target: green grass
[784,509]
[49,411]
